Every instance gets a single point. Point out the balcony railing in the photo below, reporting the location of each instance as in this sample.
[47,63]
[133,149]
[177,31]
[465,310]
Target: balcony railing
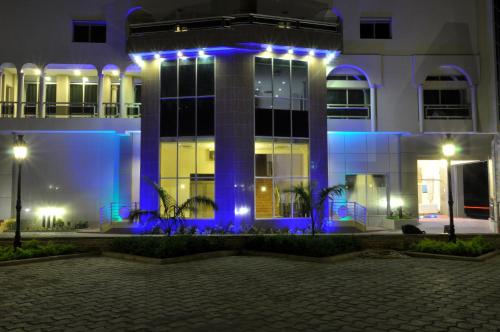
[133,110]
[71,110]
[7,109]
[444,112]
[351,111]
[111,110]
[348,211]
[30,109]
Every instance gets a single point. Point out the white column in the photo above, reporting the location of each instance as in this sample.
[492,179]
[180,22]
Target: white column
[1,92]
[123,109]
[20,94]
[373,108]
[473,106]
[100,95]
[421,108]
[41,96]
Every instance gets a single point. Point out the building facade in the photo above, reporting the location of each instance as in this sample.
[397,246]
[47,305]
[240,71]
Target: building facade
[240,101]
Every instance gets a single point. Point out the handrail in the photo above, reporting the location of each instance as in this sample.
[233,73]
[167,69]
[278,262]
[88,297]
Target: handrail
[111,110]
[133,110]
[70,109]
[7,109]
[462,111]
[345,111]
[348,211]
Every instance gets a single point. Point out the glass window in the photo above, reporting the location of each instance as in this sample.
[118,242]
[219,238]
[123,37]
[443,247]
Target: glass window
[282,198]
[168,118]
[205,76]
[187,117]
[336,97]
[205,117]
[298,208]
[89,32]
[431,97]
[264,158]
[300,124]
[187,161]
[168,155]
[169,78]
[375,28]
[281,78]
[187,77]
[300,158]
[264,198]
[451,97]
[299,79]
[282,160]
[263,77]
[356,97]
[205,158]
[282,123]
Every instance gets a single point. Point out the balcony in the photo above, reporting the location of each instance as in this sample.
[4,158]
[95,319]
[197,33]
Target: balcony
[447,112]
[350,111]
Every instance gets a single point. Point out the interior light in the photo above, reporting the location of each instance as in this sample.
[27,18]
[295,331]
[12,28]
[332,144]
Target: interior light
[269,48]
[51,212]
[290,51]
[38,72]
[48,78]
[201,53]
[114,72]
[77,72]
[263,189]
[180,54]
[85,79]
[157,56]
[312,53]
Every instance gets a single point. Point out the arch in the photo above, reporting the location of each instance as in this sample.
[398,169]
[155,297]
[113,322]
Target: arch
[460,70]
[138,15]
[7,65]
[133,68]
[111,69]
[352,67]
[31,69]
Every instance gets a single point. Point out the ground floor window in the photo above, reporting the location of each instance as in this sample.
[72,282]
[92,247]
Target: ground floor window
[188,170]
[280,164]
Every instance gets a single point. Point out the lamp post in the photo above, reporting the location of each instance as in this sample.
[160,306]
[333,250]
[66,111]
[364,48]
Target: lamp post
[20,153]
[449,150]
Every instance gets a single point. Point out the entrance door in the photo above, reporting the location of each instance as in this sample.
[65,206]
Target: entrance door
[369,190]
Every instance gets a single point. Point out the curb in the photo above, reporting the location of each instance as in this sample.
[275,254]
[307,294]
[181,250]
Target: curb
[172,260]
[324,260]
[47,259]
[481,258]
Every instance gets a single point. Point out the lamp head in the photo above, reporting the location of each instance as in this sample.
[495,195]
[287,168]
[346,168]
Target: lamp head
[449,150]
[20,149]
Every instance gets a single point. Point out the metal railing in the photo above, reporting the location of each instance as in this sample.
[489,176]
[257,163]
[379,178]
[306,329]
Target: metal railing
[71,110]
[111,110]
[350,111]
[227,22]
[116,212]
[133,110]
[447,111]
[7,109]
[348,211]
[30,109]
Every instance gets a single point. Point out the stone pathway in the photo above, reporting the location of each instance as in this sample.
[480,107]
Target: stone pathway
[251,294]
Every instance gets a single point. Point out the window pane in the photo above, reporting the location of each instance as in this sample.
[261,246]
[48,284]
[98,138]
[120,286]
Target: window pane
[51,92]
[299,105]
[170,186]
[300,124]
[187,77]
[205,76]
[264,158]
[282,159]
[31,92]
[205,188]
[282,123]
[282,198]
[187,162]
[383,30]
[263,198]
[263,77]
[169,78]
[168,118]
[300,159]
[299,79]
[205,158]
[431,97]
[367,31]
[186,189]
[451,97]
[282,104]
[298,206]
[168,159]
[187,117]
[98,33]
[356,97]
[263,122]
[81,33]
[264,103]
[91,93]
[75,93]
[281,79]
[336,97]
[205,117]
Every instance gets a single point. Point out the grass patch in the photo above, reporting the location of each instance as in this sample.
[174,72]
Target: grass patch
[469,248]
[167,247]
[312,246]
[34,248]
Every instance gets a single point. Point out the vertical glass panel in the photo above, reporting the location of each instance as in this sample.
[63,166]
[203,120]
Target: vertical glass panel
[170,186]
[282,123]
[205,76]
[264,198]
[300,124]
[205,117]
[186,189]
[282,159]
[300,105]
[187,117]
[137,93]
[31,92]
[168,118]
[263,77]
[187,162]
[91,93]
[282,198]
[281,78]
[75,93]
[336,97]
[187,77]
[300,158]
[169,78]
[263,122]
[376,194]
[168,159]
[51,93]
[356,97]
[298,206]
[264,158]
[205,187]
[299,79]
[205,158]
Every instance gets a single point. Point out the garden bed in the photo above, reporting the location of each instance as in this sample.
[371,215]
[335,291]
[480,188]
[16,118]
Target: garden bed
[34,250]
[475,249]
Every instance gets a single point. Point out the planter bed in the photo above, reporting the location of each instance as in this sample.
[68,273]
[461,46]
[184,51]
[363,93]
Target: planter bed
[13,262]
[170,260]
[329,259]
[481,258]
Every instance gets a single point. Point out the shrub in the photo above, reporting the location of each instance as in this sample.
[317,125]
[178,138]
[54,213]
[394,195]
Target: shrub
[166,247]
[8,225]
[471,248]
[322,246]
[34,248]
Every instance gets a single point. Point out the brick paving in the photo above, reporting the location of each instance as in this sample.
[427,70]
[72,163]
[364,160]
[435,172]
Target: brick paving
[251,294]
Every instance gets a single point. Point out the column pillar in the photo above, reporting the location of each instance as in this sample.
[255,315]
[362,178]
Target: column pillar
[20,94]
[373,108]
[100,95]
[41,96]
[421,108]
[1,92]
[123,108]
[473,106]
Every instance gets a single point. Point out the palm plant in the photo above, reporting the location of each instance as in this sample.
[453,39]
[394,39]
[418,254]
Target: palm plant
[305,197]
[171,215]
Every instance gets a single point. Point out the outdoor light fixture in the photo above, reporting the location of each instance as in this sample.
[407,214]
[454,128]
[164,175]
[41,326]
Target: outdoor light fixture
[290,51]
[114,72]
[312,53]
[180,54]
[48,78]
[85,79]
[38,72]
[449,149]
[157,56]
[269,48]
[77,72]
[201,53]
[20,151]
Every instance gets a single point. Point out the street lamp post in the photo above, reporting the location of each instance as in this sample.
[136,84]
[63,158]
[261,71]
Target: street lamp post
[449,150]
[20,153]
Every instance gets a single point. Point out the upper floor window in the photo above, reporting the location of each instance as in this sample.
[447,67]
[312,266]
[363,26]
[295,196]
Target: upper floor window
[379,28]
[446,104]
[89,32]
[348,95]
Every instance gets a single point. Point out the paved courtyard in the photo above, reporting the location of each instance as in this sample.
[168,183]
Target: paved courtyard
[251,294]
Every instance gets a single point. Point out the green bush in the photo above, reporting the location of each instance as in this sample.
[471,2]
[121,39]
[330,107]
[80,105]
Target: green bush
[166,247]
[471,248]
[34,248]
[313,246]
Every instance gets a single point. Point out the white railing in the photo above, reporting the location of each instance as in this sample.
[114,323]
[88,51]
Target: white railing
[348,111]
[437,111]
